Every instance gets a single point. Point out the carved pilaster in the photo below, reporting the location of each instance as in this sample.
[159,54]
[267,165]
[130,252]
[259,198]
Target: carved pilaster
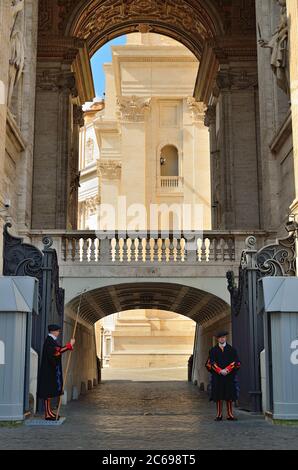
[133,109]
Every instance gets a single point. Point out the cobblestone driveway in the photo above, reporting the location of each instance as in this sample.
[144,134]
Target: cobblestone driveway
[172,414]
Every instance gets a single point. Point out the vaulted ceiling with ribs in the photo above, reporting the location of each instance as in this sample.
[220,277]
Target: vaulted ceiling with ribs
[193,303]
[192,22]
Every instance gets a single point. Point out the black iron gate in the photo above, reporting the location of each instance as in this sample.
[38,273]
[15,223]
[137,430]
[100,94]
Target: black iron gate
[23,259]
[278,259]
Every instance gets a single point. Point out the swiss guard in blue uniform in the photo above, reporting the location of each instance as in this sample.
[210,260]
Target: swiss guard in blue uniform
[50,380]
[223,363]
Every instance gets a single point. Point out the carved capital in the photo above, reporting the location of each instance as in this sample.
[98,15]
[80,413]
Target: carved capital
[91,203]
[132,108]
[55,80]
[109,169]
[236,80]
[197,109]
[78,115]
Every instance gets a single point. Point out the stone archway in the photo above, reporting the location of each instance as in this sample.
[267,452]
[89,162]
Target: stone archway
[205,308]
[97,21]
[221,34]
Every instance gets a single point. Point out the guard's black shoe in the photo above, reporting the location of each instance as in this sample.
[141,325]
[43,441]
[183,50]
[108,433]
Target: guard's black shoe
[231,418]
[218,418]
[50,418]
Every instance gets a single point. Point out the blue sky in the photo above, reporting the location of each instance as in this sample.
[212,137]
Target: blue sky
[100,57]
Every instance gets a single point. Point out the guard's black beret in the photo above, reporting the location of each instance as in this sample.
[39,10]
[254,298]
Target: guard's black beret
[221,333]
[54,327]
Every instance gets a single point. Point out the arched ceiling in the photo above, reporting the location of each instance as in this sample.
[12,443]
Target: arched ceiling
[193,303]
[189,21]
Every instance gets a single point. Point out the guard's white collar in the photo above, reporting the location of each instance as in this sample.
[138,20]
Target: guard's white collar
[52,336]
[222,345]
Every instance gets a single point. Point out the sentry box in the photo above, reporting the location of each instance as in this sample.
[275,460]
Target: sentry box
[279,305]
[18,301]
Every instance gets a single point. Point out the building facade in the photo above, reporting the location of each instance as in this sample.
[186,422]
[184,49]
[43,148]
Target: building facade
[164,126]
[245,56]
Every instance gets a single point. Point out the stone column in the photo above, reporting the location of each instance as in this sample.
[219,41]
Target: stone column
[55,90]
[5,18]
[238,144]
[292,7]
[210,122]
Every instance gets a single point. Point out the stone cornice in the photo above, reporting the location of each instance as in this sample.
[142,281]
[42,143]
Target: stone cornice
[58,48]
[70,52]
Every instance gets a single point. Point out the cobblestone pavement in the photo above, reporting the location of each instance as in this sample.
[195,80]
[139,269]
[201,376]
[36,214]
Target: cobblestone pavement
[151,415]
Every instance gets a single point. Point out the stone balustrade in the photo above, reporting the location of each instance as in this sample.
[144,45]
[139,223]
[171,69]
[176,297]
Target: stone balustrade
[170,183]
[146,248]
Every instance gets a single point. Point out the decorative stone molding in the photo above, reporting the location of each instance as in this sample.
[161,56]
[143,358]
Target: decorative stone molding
[55,80]
[237,80]
[210,116]
[92,202]
[197,109]
[110,13]
[109,169]
[144,28]
[132,108]
[78,115]
[99,21]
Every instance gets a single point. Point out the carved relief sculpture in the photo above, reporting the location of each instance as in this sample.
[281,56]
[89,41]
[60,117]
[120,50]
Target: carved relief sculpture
[17,47]
[279,45]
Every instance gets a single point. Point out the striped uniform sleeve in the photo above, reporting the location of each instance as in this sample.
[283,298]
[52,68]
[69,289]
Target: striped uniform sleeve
[213,363]
[60,350]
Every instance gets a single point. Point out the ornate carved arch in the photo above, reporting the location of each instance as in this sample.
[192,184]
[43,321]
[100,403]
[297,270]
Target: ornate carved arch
[98,21]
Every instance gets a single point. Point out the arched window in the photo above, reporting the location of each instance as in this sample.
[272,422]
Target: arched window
[169,161]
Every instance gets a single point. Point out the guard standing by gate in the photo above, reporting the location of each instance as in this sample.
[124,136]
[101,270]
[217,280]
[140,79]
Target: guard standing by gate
[223,363]
[50,382]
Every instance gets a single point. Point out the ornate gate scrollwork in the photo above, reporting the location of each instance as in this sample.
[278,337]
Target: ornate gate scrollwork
[23,259]
[276,259]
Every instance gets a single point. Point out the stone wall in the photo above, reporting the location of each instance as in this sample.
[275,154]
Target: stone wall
[5,16]
[276,157]
[82,374]
[17,122]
